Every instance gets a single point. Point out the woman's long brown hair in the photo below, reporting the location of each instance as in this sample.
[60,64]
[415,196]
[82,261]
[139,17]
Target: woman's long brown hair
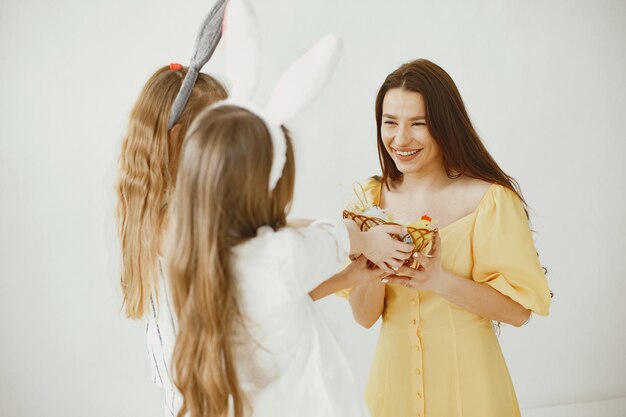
[448,122]
[449,125]
[221,200]
[147,170]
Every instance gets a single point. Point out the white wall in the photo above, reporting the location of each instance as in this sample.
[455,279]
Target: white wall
[544,83]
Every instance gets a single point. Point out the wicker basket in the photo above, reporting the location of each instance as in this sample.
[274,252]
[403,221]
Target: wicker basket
[419,237]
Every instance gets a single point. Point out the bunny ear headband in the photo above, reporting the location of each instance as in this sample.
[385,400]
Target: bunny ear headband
[206,42]
[294,90]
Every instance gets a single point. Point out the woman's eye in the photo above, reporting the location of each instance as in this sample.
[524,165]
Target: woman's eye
[419,124]
[388,122]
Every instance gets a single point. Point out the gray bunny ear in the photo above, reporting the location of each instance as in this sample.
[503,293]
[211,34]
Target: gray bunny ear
[206,42]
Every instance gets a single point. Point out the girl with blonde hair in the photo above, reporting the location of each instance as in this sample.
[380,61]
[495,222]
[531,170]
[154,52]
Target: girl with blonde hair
[148,164]
[147,172]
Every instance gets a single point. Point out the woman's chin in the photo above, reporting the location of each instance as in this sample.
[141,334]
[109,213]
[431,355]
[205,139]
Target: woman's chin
[405,168]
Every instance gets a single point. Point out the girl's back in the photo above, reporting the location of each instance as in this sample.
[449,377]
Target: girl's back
[304,371]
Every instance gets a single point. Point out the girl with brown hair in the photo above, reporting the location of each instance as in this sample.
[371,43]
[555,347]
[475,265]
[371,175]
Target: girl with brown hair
[250,340]
[438,354]
[147,171]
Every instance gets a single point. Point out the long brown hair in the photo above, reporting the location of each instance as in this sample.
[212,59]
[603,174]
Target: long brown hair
[221,200]
[146,175]
[448,122]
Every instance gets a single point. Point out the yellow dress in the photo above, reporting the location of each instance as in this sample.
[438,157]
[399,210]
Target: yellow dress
[435,359]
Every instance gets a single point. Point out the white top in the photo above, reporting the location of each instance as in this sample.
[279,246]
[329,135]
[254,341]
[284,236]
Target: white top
[294,367]
[297,367]
[161,334]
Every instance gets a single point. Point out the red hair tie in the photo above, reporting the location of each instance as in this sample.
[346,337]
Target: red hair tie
[174,66]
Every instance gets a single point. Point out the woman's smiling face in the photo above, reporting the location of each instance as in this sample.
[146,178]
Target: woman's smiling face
[405,134]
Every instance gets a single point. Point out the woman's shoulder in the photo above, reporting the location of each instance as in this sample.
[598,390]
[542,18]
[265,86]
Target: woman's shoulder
[494,198]
[471,193]
[474,187]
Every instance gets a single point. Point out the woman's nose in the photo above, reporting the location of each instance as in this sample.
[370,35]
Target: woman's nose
[402,137]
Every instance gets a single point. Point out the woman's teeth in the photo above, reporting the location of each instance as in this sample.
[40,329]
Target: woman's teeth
[409,153]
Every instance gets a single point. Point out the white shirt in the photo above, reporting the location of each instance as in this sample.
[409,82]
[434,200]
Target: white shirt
[161,336]
[293,365]
[298,368]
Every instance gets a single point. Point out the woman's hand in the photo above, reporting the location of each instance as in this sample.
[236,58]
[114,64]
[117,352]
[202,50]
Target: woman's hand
[383,250]
[429,275]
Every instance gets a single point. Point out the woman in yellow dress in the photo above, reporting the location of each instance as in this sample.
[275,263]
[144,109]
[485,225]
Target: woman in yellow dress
[438,354]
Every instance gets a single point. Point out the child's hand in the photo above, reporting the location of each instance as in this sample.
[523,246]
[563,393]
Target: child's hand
[358,272]
[383,250]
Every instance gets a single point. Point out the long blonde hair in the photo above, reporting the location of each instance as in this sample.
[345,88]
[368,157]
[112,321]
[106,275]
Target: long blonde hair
[221,199]
[147,169]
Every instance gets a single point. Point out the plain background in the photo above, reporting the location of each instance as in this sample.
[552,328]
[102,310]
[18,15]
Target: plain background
[544,84]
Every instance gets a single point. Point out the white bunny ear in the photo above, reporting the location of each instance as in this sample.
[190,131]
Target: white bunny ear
[241,48]
[304,79]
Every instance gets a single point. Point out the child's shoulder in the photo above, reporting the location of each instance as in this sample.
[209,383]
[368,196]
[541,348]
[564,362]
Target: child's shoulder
[267,239]
[280,244]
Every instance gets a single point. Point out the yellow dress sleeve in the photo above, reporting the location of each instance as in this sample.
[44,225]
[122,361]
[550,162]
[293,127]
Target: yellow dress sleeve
[371,186]
[504,253]
[364,194]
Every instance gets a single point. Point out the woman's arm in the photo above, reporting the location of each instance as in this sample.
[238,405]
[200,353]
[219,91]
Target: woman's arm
[367,303]
[481,299]
[476,297]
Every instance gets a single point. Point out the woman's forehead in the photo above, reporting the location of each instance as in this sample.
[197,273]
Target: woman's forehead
[402,103]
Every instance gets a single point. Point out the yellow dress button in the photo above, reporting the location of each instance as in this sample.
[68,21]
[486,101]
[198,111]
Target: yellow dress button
[419,396]
[417,371]
[413,321]
[417,348]
[413,301]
